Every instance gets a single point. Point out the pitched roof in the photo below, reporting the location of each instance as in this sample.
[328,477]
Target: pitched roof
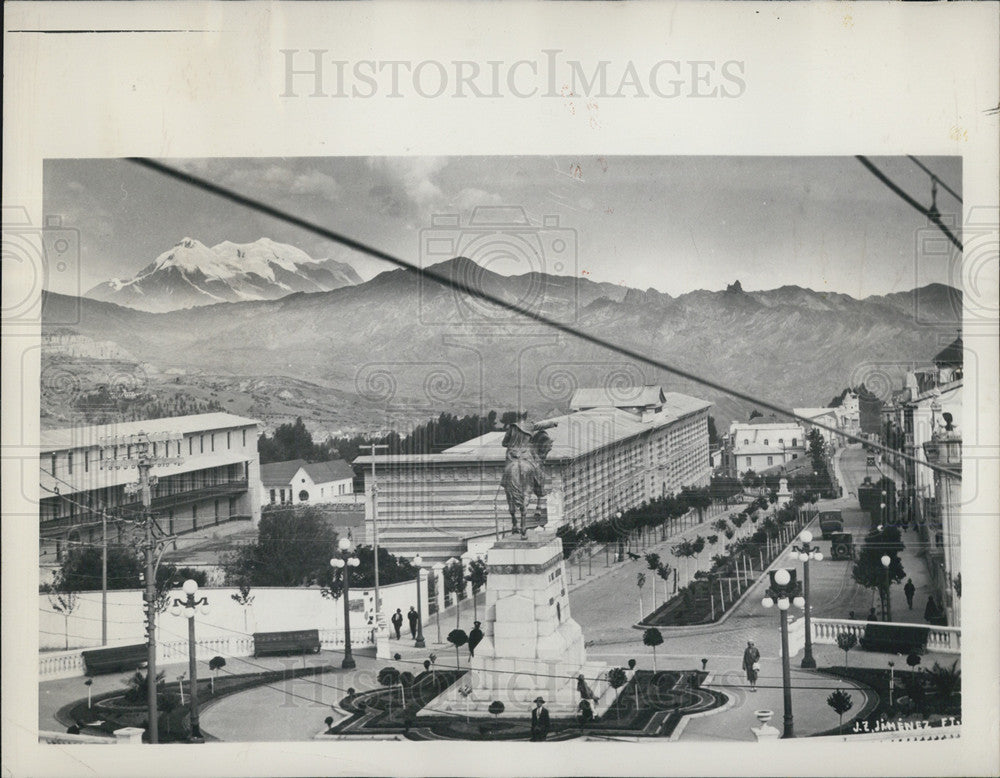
[324,472]
[617,397]
[574,435]
[77,437]
[280,473]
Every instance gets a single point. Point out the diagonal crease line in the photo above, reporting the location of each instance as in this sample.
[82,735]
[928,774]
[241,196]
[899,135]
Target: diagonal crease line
[449,283]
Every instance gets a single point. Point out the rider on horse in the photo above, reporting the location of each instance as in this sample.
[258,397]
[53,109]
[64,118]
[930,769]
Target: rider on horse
[527,446]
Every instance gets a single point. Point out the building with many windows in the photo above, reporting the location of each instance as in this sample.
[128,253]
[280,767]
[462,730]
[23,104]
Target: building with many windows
[612,452]
[216,479]
[761,443]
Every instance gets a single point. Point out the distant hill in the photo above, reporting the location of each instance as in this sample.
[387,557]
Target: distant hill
[398,340]
[192,274]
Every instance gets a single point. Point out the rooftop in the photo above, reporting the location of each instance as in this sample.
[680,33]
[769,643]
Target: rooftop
[333,470]
[574,435]
[85,436]
[650,395]
[280,473]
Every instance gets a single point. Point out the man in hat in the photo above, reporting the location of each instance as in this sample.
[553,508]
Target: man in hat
[475,637]
[413,617]
[539,720]
[397,621]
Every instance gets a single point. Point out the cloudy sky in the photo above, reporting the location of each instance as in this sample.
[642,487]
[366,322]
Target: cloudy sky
[671,223]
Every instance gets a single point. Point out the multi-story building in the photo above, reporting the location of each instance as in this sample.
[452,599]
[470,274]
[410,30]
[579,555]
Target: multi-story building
[612,452]
[216,480]
[761,443]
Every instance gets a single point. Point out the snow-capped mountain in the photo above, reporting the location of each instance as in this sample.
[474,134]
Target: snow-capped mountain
[192,274]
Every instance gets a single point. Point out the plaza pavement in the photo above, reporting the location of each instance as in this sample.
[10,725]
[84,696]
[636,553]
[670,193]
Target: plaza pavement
[605,604]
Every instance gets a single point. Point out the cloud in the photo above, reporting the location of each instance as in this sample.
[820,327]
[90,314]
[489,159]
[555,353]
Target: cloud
[413,175]
[470,197]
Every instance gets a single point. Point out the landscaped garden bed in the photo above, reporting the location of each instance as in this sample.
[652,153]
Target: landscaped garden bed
[650,704]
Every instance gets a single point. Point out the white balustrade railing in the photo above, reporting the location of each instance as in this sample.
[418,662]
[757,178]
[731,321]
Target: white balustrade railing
[944,640]
[60,664]
[69,664]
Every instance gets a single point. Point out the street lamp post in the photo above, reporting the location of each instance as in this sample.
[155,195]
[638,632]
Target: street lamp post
[783,592]
[186,606]
[886,561]
[417,562]
[345,562]
[806,552]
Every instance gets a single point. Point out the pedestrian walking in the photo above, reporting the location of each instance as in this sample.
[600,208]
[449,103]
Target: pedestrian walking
[751,664]
[539,720]
[413,618]
[397,621]
[475,637]
[932,613]
[909,590]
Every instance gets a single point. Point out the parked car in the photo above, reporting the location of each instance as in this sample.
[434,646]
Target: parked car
[830,522]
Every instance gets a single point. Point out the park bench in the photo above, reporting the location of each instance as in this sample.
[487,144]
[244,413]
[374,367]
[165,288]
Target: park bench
[115,659]
[893,639]
[289,642]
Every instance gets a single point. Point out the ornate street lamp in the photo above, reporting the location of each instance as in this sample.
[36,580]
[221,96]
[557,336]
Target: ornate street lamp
[784,592]
[886,562]
[806,552]
[417,563]
[345,562]
[187,607]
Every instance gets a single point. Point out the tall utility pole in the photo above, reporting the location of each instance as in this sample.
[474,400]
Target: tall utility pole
[378,599]
[138,455]
[104,577]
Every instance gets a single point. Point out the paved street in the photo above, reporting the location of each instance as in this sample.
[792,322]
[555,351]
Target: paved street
[605,603]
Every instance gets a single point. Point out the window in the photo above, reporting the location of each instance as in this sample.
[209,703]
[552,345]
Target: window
[795,442]
[749,463]
[272,497]
[69,462]
[86,461]
[303,496]
[770,461]
[52,465]
[201,442]
[190,445]
[229,442]
[244,437]
[746,441]
[781,441]
[212,441]
[154,450]
[765,441]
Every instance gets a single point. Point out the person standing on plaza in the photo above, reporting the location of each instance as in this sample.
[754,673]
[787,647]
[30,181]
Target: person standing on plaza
[909,590]
[397,621]
[751,664]
[413,618]
[932,613]
[475,637]
[539,720]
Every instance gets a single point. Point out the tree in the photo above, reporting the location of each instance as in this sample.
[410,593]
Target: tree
[478,573]
[755,414]
[685,550]
[869,570]
[816,448]
[245,600]
[640,581]
[457,638]
[841,702]
[64,599]
[713,434]
[294,546]
[846,641]
[652,637]
[81,570]
[215,664]
[454,583]
[945,680]
[617,678]
[290,441]
[389,677]
[495,709]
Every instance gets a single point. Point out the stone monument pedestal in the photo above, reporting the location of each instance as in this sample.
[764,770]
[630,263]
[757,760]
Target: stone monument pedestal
[531,646]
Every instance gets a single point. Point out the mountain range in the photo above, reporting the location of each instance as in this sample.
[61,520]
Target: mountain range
[192,274]
[402,340]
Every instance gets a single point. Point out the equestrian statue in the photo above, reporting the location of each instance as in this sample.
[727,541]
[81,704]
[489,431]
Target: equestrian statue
[527,447]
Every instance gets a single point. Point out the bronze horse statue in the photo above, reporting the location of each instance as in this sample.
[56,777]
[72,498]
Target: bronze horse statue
[527,447]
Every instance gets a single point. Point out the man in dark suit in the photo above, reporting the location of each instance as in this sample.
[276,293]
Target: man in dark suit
[539,720]
[413,617]
[397,621]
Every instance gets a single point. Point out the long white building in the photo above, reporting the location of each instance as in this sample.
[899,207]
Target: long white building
[216,480]
[613,451]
